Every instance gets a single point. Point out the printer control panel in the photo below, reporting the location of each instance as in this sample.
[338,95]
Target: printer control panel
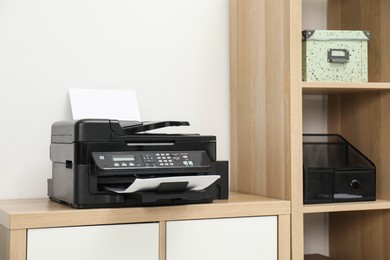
[146,159]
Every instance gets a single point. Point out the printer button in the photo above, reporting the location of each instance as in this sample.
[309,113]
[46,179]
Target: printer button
[185,163]
[175,154]
[190,163]
[116,164]
[176,158]
[124,164]
[101,157]
[131,164]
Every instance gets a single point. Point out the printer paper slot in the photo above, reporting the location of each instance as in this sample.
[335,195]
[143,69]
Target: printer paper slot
[195,183]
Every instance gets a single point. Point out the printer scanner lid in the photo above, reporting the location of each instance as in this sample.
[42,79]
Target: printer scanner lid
[106,130]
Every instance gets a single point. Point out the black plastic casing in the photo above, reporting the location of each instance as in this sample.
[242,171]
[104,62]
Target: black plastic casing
[76,182]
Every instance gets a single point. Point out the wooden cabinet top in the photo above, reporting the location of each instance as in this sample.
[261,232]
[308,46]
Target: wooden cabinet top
[42,213]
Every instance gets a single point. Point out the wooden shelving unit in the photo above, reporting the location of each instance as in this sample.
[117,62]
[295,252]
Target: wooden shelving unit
[266,117]
[19,216]
[359,113]
[266,105]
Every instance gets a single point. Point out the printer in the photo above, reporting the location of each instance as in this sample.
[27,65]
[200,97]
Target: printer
[110,163]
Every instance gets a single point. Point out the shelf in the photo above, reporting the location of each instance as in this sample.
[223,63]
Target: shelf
[41,213]
[339,88]
[348,206]
[316,257]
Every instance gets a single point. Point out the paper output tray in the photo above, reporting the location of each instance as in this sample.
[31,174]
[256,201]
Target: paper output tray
[154,189]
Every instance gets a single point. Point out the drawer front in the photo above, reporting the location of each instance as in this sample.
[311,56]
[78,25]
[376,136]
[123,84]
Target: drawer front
[250,238]
[133,241]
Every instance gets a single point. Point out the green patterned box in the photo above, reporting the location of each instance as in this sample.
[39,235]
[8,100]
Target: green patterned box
[335,56]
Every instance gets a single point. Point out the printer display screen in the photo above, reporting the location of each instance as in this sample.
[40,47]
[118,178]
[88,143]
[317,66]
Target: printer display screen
[128,160]
[117,158]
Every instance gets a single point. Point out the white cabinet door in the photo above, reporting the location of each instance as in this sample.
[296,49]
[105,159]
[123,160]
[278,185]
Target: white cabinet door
[114,242]
[253,238]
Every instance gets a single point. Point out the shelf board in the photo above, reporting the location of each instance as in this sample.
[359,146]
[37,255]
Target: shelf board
[43,213]
[339,88]
[316,257]
[347,206]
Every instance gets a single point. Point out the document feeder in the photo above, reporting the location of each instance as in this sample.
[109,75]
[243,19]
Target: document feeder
[96,160]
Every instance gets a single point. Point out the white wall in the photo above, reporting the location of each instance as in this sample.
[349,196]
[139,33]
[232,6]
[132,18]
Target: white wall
[316,226]
[174,53]
[314,14]
[315,121]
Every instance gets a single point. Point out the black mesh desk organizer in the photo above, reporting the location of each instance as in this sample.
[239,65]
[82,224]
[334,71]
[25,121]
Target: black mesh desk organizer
[335,171]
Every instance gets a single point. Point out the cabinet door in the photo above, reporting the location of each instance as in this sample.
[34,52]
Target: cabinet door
[253,238]
[135,241]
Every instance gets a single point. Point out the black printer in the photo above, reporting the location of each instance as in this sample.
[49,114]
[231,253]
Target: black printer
[111,163]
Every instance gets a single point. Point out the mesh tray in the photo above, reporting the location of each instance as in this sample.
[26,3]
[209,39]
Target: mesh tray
[335,171]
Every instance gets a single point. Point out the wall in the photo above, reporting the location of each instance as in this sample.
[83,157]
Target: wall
[174,53]
[315,121]
[316,226]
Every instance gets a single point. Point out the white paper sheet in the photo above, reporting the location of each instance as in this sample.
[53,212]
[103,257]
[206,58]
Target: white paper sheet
[104,104]
[194,183]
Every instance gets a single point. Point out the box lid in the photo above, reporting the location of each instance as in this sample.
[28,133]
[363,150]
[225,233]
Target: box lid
[335,35]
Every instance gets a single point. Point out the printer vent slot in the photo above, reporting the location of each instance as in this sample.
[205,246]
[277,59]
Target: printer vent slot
[151,144]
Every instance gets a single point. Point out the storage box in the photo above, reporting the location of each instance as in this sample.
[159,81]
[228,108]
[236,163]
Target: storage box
[335,171]
[335,56]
